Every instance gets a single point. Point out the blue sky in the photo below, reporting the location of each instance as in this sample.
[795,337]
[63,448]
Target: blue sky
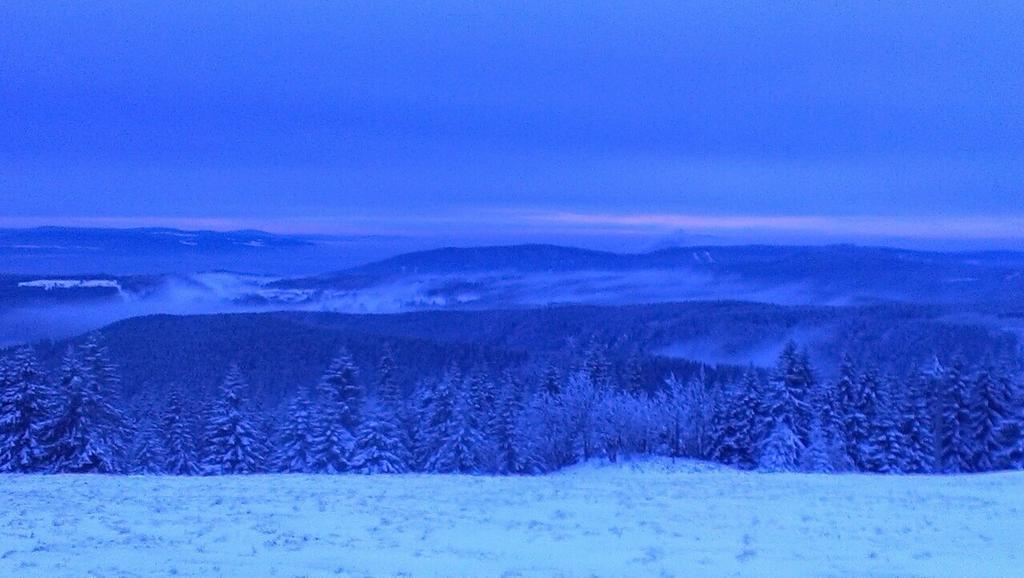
[761,120]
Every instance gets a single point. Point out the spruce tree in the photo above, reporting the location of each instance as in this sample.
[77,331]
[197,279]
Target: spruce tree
[551,381]
[178,437]
[435,404]
[514,455]
[918,426]
[26,413]
[146,451]
[460,440]
[294,451]
[850,394]
[232,443]
[955,452]
[338,419]
[88,433]
[782,447]
[988,411]
[885,449]
[378,445]
[596,365]
[635,376]
[817,456]
[794,371]
[734,442]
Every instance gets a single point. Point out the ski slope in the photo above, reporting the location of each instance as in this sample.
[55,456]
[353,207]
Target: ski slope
[654,518]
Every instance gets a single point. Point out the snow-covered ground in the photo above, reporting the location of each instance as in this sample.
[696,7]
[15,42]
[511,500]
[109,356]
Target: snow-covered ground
[645,519]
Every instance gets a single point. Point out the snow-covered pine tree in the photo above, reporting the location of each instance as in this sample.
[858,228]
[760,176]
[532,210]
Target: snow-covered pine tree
[393,405]
[988,410]
[435,403]
[698,403]
[514,454]
[955,451]
[1012,435]
[782,448]
[104,374]
[918,425]
[339,415]
[828,412]
[232,443]
[460,440]
[635,375]
[483,393]
[88,433]
[794,370]
[735,421]
[378,444]
[26,412]
[387,381]
[817,456]
[596,365]
[849,390]
[146,452]
[551,380]
[178,437]
[885,449]
[295,440]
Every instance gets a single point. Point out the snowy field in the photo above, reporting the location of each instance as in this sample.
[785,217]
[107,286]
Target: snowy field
[646,519]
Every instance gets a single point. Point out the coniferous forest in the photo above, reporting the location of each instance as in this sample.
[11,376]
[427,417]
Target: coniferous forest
[951,416]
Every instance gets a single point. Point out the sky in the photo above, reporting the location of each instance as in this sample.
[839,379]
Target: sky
[615,121]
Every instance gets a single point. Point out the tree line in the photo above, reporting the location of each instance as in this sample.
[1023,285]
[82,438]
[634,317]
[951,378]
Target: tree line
[943,419]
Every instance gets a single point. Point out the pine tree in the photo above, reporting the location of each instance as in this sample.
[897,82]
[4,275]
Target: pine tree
[596,365]
[378,445]
[87,434]
[296,442]
[178,439]
[734,429]
[96,360]
[988,411]
[1012,431]
[232,443]
[816,456]
[794,371]
[635,376]
[338,419]
[387,382]
[513,456]
[26,412]
[918,425]
[855,423]
[782,449]
[460,441]
[146,452]
[435,404]
[885,449]
[955,450]
[551,381]
[783,445]
[828,416]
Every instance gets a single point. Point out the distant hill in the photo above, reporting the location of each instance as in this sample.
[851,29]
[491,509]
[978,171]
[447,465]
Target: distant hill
[91,251]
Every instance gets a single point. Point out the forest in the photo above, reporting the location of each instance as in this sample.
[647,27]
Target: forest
[951,416]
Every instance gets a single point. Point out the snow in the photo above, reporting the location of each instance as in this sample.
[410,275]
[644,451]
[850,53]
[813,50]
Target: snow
[635,519]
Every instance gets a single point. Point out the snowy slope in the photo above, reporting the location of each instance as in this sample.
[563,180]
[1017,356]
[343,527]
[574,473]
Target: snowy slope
[651,519]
